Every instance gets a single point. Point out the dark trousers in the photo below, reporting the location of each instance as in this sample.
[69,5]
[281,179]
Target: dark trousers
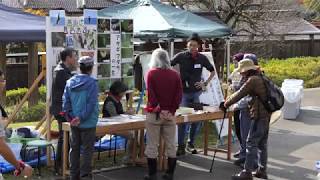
[60,120]
[257,144]
[236,120]
[81,139]
[245,123]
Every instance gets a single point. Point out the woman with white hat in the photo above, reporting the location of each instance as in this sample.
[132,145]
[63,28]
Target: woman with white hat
[259,130]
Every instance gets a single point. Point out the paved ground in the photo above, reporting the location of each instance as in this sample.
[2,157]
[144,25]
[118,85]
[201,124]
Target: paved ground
[293,150]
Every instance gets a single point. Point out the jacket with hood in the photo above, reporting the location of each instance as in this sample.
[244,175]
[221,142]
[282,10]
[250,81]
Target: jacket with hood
[80,99]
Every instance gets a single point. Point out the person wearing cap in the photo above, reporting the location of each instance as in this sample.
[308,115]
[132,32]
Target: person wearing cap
[191,63]
[234,85]
[61,74]
[252,57]
[112,106]
[259,128]
[81,108]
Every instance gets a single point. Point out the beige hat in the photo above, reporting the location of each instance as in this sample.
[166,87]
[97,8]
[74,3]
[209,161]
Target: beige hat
[246,65]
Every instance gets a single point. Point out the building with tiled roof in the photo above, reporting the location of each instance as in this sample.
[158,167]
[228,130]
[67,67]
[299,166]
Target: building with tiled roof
[71,6]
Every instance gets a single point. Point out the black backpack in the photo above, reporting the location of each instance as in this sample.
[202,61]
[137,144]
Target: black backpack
[275,99]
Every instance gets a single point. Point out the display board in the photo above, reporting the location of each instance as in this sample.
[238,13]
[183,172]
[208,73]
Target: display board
[108,41]
[213,94]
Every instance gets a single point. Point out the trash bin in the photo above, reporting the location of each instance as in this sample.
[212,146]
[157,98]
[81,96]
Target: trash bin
[293,92]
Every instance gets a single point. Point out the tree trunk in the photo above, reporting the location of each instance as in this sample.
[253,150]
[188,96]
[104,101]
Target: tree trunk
[33,64]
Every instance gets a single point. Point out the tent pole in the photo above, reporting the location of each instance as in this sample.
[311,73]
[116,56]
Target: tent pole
[171,48]
[228,57]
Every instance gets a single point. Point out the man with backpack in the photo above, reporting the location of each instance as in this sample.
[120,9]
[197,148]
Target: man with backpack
[255,87]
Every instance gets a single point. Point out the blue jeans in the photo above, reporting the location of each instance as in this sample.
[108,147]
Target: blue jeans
[188,98]
[245,123]
[257,144]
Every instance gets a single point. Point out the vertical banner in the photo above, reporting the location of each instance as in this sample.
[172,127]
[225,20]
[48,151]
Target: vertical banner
[115,55]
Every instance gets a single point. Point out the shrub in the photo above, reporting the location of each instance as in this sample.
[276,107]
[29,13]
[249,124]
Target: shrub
[13,97]
[34,113]
[305,68]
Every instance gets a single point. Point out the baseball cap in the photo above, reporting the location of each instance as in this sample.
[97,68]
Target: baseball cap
[86,60]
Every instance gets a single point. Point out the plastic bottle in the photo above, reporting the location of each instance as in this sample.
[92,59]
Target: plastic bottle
[14,136]
[14,133]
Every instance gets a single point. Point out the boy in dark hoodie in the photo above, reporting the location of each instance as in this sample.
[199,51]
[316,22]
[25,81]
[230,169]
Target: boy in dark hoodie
[80,104]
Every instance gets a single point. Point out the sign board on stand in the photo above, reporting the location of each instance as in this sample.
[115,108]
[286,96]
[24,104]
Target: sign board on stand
[213,94]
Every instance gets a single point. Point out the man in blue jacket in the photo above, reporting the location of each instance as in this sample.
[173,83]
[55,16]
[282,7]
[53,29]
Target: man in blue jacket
[80,104]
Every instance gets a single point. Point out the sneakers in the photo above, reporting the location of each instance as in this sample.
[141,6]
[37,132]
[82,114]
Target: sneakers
[192,149]
[262,174]
[243,175]
[237,155]
[181,150]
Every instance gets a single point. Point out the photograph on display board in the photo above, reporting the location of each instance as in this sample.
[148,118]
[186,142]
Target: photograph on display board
[129,81]
[104,56]
[87,53]
[104,84]
[103,40]
[57,17]
[69,41]
[90,39]
[126,54]
[103,71]
[115,25]
[104,25]
[58,39]
[90,17]
[74,25]
[85,40]
[127,40]
[56,55]
[127,69]
[127,25]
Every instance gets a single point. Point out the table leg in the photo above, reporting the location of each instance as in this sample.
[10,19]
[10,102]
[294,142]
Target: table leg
[141,155]
[134,150]
[65,153]
[206,136]
[229,137]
